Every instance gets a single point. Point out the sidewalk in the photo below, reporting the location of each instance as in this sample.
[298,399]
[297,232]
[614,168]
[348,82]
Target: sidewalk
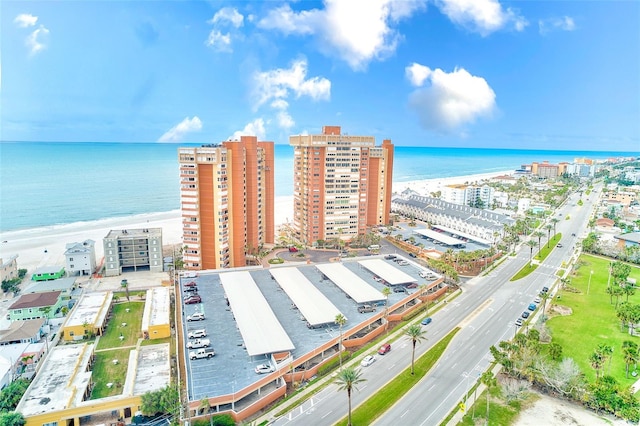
[303,395]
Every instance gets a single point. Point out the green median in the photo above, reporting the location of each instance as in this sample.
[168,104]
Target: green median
[393,391]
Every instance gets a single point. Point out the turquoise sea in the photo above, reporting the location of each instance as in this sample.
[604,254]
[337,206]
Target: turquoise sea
[51,183]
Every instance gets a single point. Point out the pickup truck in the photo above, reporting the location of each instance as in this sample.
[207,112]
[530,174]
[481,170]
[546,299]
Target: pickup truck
[198,343]
[366,308]
[202,353]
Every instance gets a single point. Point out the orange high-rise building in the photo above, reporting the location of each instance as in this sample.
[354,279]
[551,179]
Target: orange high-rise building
[341,184]
[227,202]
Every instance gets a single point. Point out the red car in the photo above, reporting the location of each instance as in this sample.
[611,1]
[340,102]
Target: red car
[384,349]
[190,284]
[192,300]
[292,249]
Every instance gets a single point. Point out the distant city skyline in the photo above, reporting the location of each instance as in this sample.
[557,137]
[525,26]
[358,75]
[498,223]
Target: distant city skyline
[442,73]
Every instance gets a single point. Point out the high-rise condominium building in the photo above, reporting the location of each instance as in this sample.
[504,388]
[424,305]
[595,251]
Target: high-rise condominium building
[226,197]
[341,184]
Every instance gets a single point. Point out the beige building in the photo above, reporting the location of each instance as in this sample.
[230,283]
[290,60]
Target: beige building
[9,268]
[130,250]
[341,184]
[227,202]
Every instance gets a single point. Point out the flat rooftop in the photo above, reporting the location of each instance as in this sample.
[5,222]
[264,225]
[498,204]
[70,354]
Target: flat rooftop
[438,236]
[462,234]
[92,308]
[354,286]
[232,368]
[135,233]
[62,379]
[156,307]
[387,271]
[152,369]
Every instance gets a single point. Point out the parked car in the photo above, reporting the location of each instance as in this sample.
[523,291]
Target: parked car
[202,353]
[422,274]
[198,343]
[384,349]
[190,294]
[190,284]
[367,361]
[390,256]
[412,285]
[426,321]
[190,274]
[264,369]
[519,322]
[545,289]
[537,300]
[403,263]
[399,289]
[525,314]
[293,249]
[366,308]
[532,306]
[197,316]
[192,300]
[192,289]
[196,334]
[413,255]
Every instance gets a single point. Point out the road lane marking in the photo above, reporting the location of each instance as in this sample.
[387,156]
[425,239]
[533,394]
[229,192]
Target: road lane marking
[326,414]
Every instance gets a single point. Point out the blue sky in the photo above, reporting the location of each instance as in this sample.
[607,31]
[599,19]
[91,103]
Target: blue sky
[453,73]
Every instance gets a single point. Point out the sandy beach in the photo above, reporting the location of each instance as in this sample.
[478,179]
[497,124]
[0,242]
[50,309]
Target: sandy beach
[30,244]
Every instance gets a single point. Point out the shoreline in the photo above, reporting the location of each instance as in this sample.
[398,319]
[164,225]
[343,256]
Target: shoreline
[30,244]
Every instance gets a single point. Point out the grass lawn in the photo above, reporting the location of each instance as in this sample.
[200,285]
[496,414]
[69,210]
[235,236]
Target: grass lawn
[500,412]
[131,332]
[106,371]
[593,319]
[544,250]
[382,400]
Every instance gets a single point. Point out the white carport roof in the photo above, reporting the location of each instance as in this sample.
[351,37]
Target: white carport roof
[350,283]
[450,241]
[261,331]
[463,234]
[313,305]
[387,272]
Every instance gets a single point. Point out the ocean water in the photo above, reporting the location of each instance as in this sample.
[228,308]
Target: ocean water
[51,183]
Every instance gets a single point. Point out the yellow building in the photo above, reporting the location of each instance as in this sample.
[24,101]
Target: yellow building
[88,316]
[156,318]
[59,394]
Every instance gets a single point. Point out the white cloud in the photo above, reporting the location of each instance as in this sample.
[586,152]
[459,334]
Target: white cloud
[179,131]
[566,23]
[281,82]
[358,31]
[228,14]
[481,16]
[451,100]
[37,39]
[219,42]
[25,20]
[417,73]
[285,121]
[254,128]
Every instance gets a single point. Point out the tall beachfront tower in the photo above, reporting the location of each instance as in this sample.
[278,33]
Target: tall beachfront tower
[341,184]
[226,197]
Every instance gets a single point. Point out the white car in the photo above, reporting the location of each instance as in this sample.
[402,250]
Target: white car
[198,316]
[264,369]
[367,361]
[198,343]
[196,334]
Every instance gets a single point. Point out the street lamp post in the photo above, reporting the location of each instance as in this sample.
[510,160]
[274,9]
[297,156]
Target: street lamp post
[589,283]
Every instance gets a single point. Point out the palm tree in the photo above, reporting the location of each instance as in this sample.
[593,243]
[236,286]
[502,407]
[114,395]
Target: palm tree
[386,291]
[532,244]
[489,380]
[555,351]
[554,221]
[538,235]
[340,320]
[548,228]
[347,380]
[596,360]
[606,352]
[630,353]
[416,334]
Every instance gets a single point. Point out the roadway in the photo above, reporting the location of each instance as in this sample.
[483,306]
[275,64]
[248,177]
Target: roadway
[485,311]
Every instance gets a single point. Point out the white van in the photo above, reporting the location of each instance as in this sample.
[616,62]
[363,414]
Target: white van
[373,247]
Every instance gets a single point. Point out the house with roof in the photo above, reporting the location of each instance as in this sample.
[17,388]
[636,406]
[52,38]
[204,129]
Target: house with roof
[9,268]
[27,331]
[80,258]
[47,273]
[36,305]
[67,286]
[89,316]
[628,239]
